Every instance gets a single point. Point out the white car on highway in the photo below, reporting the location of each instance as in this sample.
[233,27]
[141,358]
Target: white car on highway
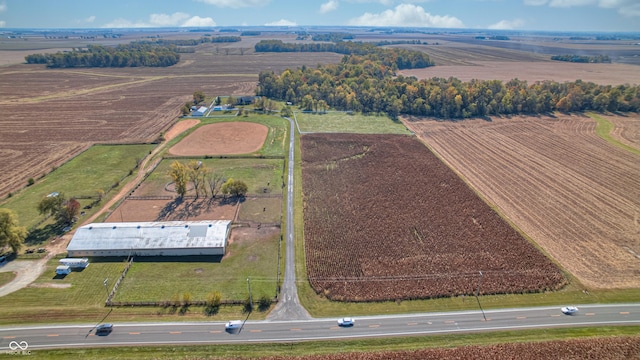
[569,310]
[346,321]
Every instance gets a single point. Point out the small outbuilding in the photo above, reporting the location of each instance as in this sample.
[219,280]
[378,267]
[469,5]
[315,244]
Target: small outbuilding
[63,270]
[167,238]
[201,111]
[75,263]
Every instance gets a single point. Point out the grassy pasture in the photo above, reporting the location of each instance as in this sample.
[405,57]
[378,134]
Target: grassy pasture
[6,277]
[168,279]
[99,167]
[342,122]
[258,174]
[56,298]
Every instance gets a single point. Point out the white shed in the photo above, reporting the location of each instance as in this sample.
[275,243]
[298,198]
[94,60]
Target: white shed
[200,111]
[168,238]
[63,270]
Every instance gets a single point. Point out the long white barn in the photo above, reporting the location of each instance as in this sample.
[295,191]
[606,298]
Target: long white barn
[167,238]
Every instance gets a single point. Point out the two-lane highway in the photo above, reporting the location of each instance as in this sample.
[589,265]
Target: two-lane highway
[41,337]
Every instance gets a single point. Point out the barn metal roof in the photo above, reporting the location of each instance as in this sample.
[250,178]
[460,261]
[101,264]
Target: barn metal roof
[150,235]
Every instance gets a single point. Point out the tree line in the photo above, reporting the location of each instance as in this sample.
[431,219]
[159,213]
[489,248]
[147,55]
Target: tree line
[205,181]
[135,54]
[597,59]
[361,84]
[391,57]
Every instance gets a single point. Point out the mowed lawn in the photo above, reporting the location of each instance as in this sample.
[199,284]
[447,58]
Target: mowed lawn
[258,174]
[342,122]
[169,279]
[98,168]
[50,295]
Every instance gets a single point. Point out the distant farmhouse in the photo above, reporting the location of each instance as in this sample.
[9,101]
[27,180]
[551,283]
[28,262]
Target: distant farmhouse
[200,111]
[246,100]
[169,238]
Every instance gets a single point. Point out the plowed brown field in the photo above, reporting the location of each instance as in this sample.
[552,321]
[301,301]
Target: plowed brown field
[573,193]
[49,116]
[386,219]
[613,348]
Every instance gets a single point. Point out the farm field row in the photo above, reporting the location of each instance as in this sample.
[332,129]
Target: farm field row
[386,220]
[574,194]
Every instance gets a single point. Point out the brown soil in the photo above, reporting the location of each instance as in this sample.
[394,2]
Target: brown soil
[222,139]
[574,194]
[172,210]
[612,348]
[605,74]
[385,219]
[180,127]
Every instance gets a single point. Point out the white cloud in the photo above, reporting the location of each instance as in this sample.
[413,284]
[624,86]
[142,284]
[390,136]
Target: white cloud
[387,2]
[3,23]
[281,22]
[124,23]
[236,4]
[507,24]
[625,7]
[3,6]
[407,15]
[90,19]
[163,20]
[198,21]
[167,20]
[329,6]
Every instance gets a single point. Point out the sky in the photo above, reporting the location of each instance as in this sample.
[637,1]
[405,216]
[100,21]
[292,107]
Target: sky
[544,15]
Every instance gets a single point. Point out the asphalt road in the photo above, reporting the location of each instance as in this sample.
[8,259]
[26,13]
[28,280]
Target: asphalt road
[70,336]
[289,307]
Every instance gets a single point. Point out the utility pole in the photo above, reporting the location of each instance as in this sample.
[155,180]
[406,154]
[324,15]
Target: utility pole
[107,289]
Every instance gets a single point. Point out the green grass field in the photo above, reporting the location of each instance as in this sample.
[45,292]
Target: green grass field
[258,174]
[6,277]
[341,122]
[168,279]
[604,129]
[100,167]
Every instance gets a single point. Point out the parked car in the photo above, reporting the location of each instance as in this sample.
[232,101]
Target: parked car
[569,310]
[104,329]
[233,324]
[346,321]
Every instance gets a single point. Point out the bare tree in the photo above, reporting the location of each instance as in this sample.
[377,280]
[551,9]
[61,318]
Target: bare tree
[214,181]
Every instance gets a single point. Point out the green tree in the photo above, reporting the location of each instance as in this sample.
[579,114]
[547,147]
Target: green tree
[198,97]
[235,188]
[286,111]
[213,302]
[51,204]
[179,174]
[196,173]
[11,234]
[68,212]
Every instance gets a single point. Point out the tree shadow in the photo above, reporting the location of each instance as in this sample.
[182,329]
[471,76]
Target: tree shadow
[40,235]
[169,209]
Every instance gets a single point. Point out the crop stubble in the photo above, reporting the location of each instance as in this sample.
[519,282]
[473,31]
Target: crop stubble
[50,116]
[386,219]
[574,194]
